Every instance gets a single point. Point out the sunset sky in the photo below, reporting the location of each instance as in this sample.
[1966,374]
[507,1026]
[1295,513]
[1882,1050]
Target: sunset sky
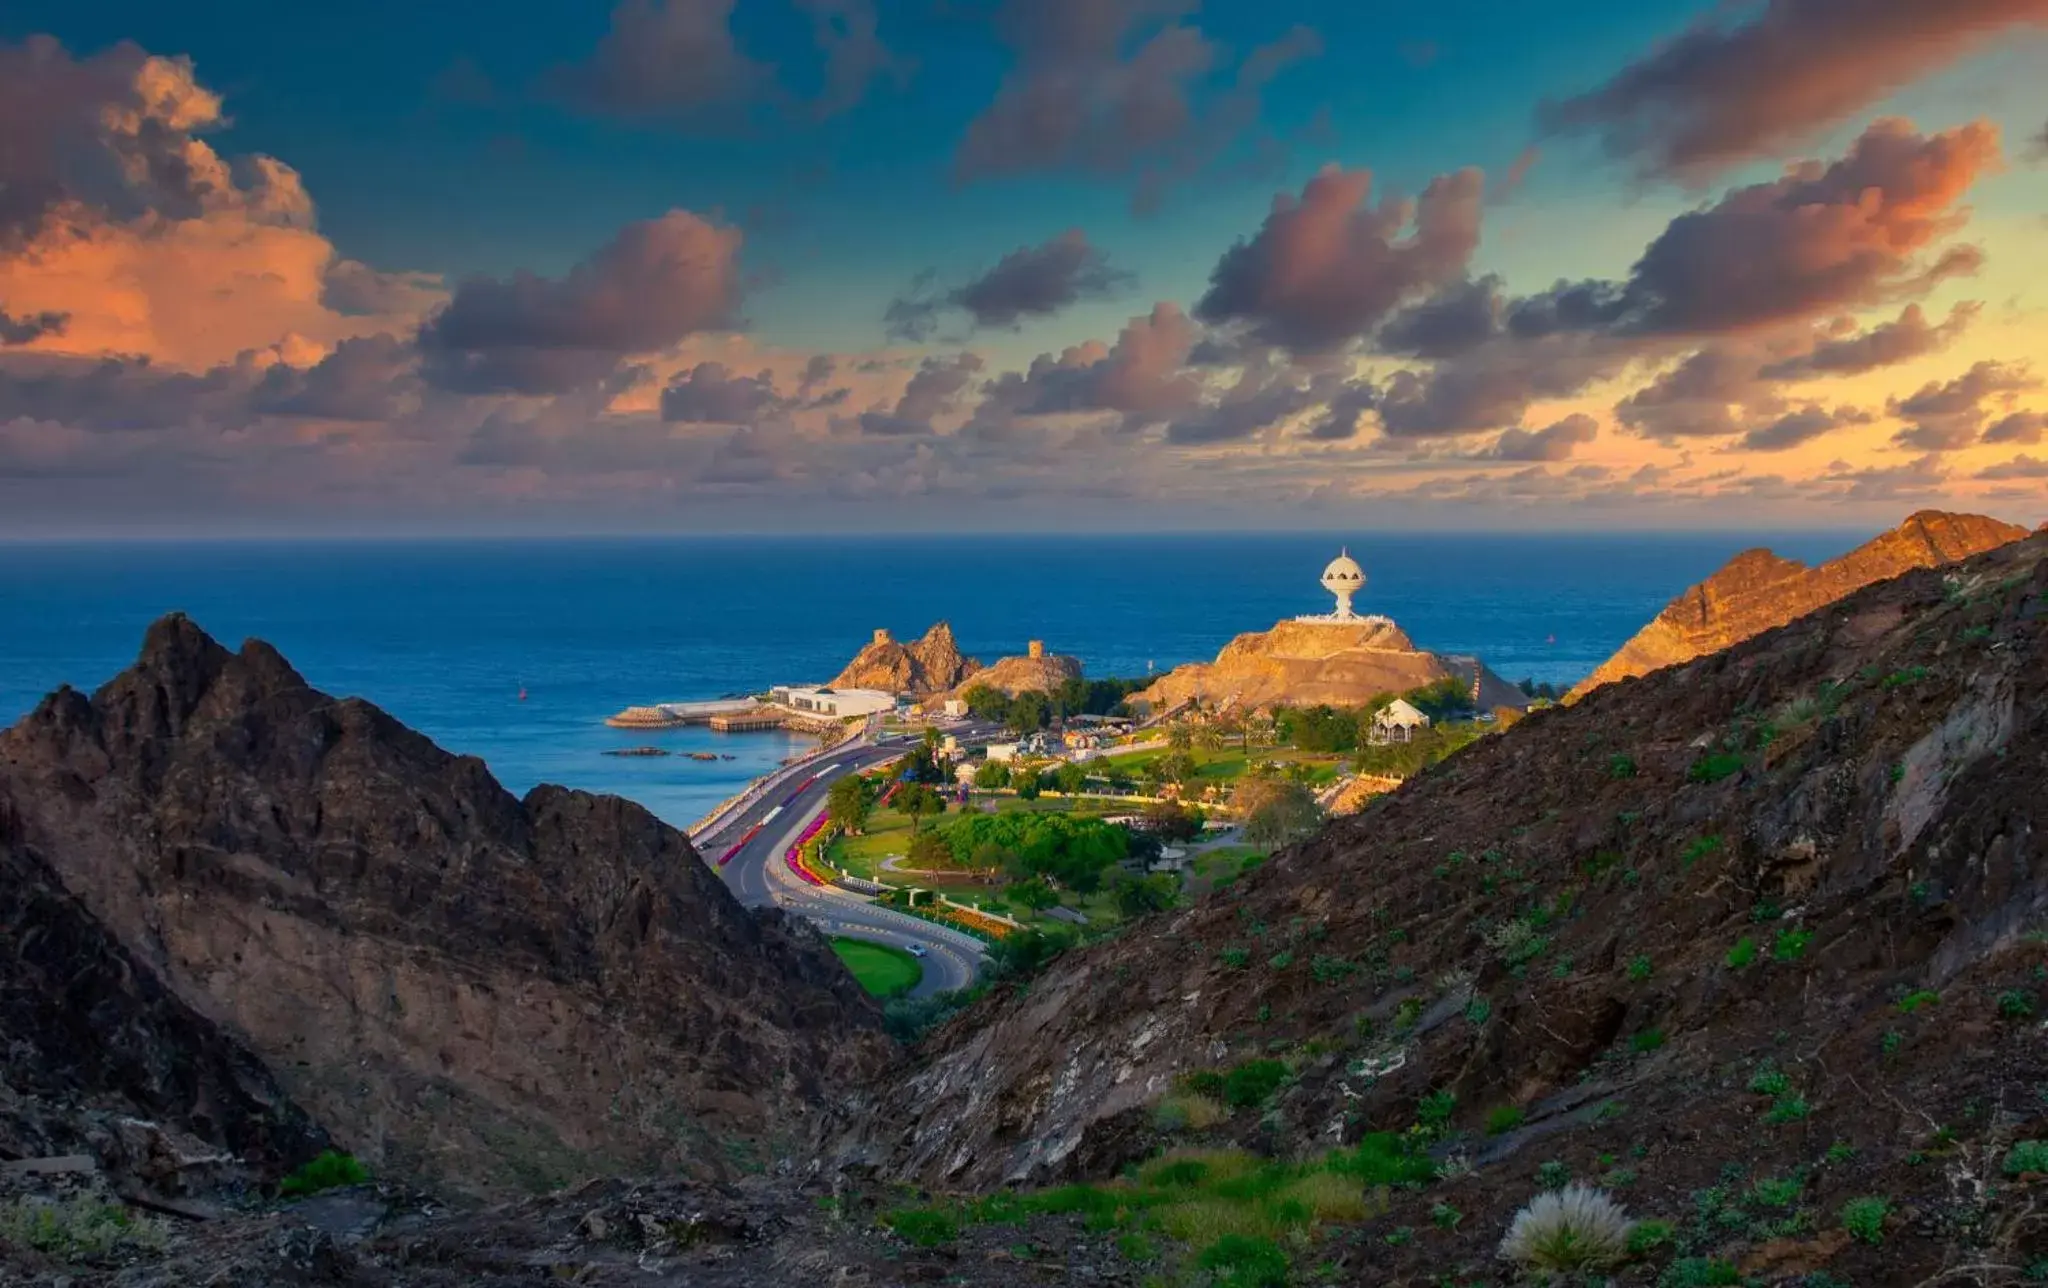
[820,265]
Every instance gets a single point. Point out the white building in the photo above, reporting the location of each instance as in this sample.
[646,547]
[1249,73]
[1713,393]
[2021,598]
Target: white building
[955,708]
[1397,722]
[837,703]
[1002,752]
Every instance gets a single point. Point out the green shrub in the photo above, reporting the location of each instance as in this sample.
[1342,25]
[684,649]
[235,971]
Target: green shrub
[1742,954]
[1647,1041]
[1788,1109]
[1445,1216]
[922,1227]
[1790,945]
[1698,848]
[1648,1237]
[1918,1000]
[1245,1261]
[2016,1004]
[1383,1158]
[1900,679]
[1201,1082]
[1235,958]
[1552,1174]
[1699,1272]
[1434,1110]
[1253,1083]
[1714,768]
[1331,970]
[75,1228]
[1504,1118]
[1864,1219]
[1639,969]
[1620,766]
[331,1170]
[1769,1080]
[2027,1156]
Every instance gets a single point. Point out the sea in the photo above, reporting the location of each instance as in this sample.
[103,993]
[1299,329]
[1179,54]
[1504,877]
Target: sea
[516,650]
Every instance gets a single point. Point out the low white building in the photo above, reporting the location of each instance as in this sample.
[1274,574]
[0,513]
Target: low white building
[838,703]
[1002,752]
[1397,722]
[955,707]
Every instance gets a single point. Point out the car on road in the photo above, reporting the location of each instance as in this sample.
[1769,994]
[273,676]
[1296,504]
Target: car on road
[919,950]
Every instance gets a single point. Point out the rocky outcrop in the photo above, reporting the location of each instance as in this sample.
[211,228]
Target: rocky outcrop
[1758,590]
[1770,913]
[1036,671]
[460,984]
[1306,663]
[102,1060]
[930,665]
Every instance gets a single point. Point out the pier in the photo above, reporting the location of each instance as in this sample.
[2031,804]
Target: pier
[674,715]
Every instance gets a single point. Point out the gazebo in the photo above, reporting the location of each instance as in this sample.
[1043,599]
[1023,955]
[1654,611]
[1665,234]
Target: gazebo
[1397,722]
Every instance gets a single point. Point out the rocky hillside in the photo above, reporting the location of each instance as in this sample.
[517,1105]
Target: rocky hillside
[931,664]
[1036,671]
[1757,590]
[101,1061]
[461,985]
[1305,663]
[1756,943]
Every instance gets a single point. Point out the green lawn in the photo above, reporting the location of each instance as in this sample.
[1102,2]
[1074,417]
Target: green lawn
[883,971]
[1224,862]
[1229,763]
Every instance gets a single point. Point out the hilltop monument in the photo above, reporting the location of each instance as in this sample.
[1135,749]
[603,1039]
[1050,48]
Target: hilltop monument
[1342,658]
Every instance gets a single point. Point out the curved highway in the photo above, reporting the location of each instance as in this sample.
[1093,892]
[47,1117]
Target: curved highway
[749,846]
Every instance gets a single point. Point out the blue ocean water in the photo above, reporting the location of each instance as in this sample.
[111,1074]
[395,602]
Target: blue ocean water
[444,635]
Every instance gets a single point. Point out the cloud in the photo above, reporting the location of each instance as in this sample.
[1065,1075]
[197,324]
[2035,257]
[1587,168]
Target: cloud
[31,327]
[1917,478]
[1888,343]
[1554,442]
[1948,415]
[1117,87]
[1143,376]
[675,61]
[1327,267]
[2022,466]
[935,391]
[368,379]
[115,212]
[709,393]
[1747,81]
[1454,320]
[1492,386]
[1033,281]
[654,283]
[1821,238]
[1802,426]
[2025,428]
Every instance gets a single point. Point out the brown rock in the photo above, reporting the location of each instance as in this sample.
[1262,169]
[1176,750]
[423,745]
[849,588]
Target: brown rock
[931,665]
[1036,671]
[1757,590]
[459,983]
[1305,663]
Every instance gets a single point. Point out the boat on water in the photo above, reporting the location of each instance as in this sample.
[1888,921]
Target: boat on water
[636,751]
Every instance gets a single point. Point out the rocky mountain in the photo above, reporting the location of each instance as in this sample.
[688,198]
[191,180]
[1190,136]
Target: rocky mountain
[462,986]
[931,664]
[101,1061]
[1757,590]
[1305,663]
[1037,671]
[1754,942]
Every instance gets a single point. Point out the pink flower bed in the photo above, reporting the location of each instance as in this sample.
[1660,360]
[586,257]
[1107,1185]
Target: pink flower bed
[795,857]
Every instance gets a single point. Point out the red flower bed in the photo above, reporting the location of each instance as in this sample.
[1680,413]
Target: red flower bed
[728,856]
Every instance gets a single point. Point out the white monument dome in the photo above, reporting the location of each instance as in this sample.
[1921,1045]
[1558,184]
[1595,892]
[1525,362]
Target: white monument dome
[1344,578]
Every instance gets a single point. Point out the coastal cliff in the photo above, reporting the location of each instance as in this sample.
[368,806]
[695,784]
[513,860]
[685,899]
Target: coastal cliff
[931,664]
[1758,590]
[463,986]
[1305,663]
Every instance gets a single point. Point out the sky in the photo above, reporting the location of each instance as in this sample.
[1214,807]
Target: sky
[898,265]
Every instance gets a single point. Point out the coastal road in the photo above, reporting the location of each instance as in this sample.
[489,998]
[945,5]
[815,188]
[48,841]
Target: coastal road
[759,876]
